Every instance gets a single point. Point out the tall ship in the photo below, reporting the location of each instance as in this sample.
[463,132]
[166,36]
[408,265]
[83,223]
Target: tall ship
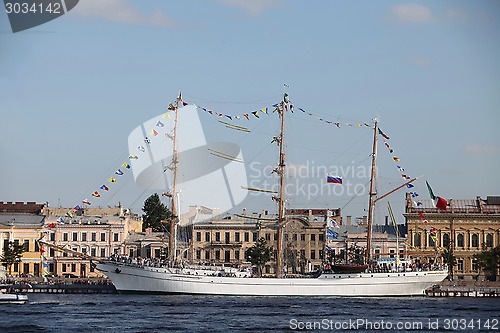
[352,280]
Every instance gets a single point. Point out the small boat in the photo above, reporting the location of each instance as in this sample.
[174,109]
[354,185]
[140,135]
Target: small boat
[13,298]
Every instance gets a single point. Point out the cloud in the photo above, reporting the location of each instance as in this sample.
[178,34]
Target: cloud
[253,7]
[410,13]
[477,149]
[123,12]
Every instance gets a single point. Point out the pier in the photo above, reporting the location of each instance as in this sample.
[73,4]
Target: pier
[60,286]
[465,289]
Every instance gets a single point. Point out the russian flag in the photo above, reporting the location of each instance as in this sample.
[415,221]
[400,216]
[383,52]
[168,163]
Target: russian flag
[334,179]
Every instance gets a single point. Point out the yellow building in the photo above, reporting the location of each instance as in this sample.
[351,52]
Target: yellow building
[24,229]
[467,226]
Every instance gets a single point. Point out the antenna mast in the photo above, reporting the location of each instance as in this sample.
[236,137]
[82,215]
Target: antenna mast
[174,165]
[281,171]
[373,193]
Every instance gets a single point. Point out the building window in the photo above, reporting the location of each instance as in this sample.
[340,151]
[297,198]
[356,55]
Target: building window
[302,254]
[73,268]
[198,236]
[237,255]
[75,237]
[116,237]
[432,243]
[217,254]
[237,237]
[475,240]
[26,245]
[103,236]
[63,268]
[475,266]
[157,253]
[103,252]
[52,252]
[489,240]
[294,237]
[93,252]
[227,256]
[321,254]
[255,235]
[446,240]
[268,237]
[247,237]
[227,237]
[217,236]
[198,254]
[207,237]
[37,247]
[460,264]
[93,237]
[417,239]
[286,237]
[84,236]
[321,237]
[313,254]
[460,241]
[52,236]
[207,254]
[276,236]
[65,237]
[313,237]
[302,237]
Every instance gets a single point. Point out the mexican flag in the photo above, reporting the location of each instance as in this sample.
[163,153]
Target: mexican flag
[441,203]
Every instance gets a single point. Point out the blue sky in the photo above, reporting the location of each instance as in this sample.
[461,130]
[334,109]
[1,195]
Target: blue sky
[73,89]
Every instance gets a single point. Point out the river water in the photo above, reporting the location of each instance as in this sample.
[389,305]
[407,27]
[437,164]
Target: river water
[183,313]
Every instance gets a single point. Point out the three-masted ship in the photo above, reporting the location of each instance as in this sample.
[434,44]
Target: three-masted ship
[131,277]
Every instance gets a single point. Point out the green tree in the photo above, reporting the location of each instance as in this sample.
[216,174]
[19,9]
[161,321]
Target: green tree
[449,259]
[259,254]
[489,262]
[155,212]
[12,254]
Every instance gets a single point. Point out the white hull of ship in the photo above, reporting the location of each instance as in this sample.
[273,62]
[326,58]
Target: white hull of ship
[164,280]
[13,298]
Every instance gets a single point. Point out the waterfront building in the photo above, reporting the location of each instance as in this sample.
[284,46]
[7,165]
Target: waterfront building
[465,226]
[387,241]
[94,232]
[147,244]
[21,223]
[225,240]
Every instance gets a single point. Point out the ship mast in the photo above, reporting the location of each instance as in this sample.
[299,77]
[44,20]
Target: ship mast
[281,171]
[173,167]
[373,193]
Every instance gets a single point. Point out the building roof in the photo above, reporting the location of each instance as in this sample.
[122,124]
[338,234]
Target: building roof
[21,207]
[85,219]
[477,206]
[21,220]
